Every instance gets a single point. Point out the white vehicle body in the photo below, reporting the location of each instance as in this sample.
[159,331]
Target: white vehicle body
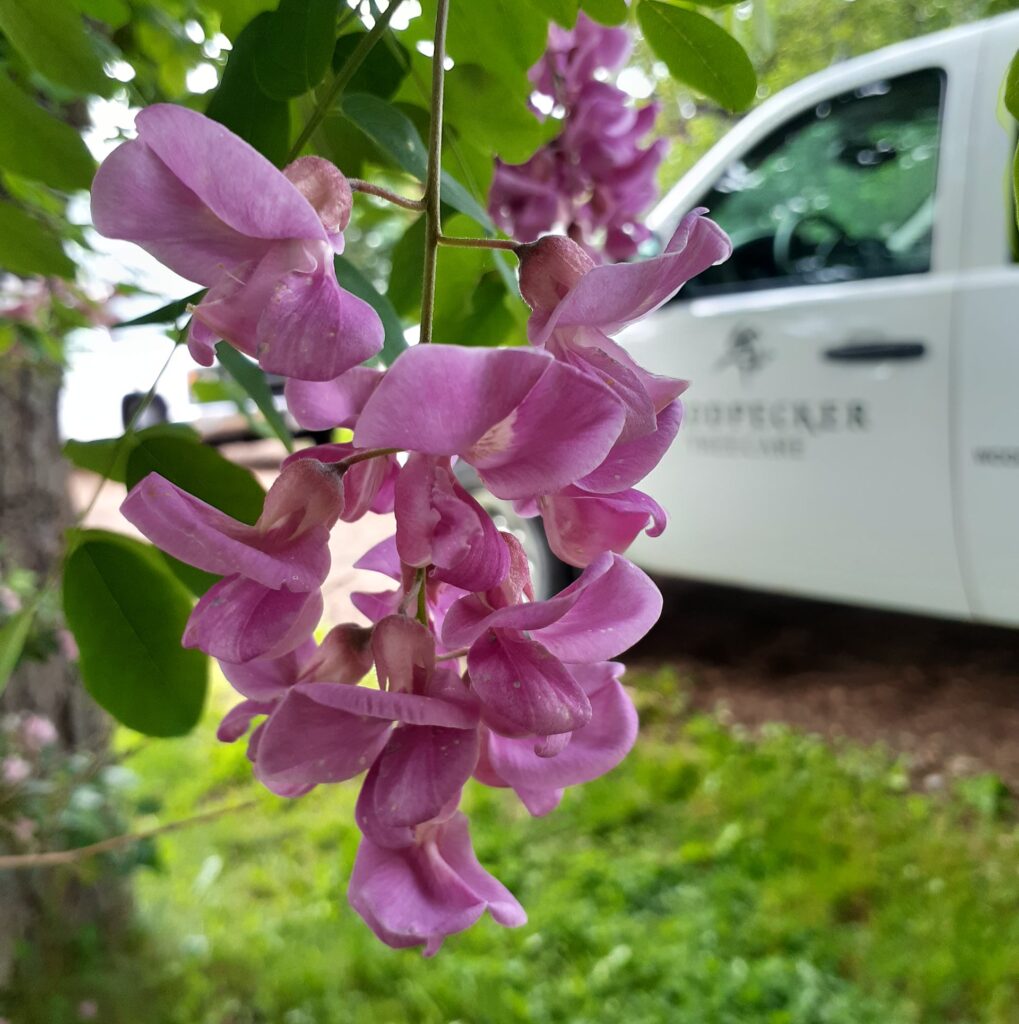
[852,427]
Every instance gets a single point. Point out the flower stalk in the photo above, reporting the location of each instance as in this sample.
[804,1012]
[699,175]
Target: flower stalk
[433,182]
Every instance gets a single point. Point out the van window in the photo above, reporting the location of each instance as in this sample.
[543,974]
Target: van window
[843,191]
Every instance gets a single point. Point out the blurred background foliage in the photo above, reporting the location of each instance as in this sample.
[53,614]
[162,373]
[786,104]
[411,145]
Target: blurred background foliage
[713,878]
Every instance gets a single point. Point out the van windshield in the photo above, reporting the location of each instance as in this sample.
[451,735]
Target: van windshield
[843,191]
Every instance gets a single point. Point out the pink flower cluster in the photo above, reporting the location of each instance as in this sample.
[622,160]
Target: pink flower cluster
[594,179]
[473,677]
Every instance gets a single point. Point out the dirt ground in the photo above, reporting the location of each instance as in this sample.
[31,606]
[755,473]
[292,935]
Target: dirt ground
[946,694]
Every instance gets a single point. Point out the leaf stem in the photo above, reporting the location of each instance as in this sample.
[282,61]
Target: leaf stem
[54,858]
[479,243]
[433,180]
[342,78]
[360,185]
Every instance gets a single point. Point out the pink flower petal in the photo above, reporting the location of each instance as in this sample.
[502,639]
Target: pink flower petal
[306,743]
[609,616]
[409,708]
[322,405]
[242,188]
[438,523]
[563,429]
[440,399]
[135,196]
[237,720]
[238,620]
[404,653]
[523,689]
[420,771]
[580,525]
[189,529]
[594,749]
[420,894]
[628,462]
[610,297]
[267,679]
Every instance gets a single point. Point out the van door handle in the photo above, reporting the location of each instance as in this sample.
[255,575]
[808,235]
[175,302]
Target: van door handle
[873,351]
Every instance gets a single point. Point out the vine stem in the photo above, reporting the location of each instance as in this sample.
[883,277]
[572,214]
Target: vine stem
[433,180]
[342,79]
[369,453]
[479,243]
[360,185]
[55,858]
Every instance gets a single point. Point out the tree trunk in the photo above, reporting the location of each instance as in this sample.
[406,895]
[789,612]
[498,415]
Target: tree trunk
[34,512]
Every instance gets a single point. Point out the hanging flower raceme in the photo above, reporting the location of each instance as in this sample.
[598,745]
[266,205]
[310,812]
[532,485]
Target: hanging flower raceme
[595,178]
[215,211]
[459,673]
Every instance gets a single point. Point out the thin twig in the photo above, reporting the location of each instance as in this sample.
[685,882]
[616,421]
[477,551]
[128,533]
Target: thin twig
[433,182]
[118,448]
[54,858]
[459,653]
[360,185]
[342,79]
[479,243]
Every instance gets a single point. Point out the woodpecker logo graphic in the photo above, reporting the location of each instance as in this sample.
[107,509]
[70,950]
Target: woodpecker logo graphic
[745,353]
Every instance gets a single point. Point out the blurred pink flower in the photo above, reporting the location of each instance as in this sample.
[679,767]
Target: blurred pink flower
[37,732]
[14,770]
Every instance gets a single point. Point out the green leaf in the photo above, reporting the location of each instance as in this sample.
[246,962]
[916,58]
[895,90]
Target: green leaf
[355,282]
[1012,88]
[408,264]
[605,12]
[36,145]
[114,13]
[295,46]
[505,36]
[382,70]
[251,378]
[27,246]
[241,105]
[394,133]
[1015,182]
[51,36]
[390,129]
[562,12]
[484,108]
[235,14]
[460,314]
[13,634]
[127,614]
[108,456]
[200,470]
[699,53]
[168,314]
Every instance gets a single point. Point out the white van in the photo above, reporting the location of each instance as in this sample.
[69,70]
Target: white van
[852,425]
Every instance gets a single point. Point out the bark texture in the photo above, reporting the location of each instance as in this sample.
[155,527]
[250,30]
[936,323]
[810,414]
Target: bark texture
[34,512]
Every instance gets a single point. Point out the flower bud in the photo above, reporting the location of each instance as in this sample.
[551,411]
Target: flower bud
[549,268]
[325,187]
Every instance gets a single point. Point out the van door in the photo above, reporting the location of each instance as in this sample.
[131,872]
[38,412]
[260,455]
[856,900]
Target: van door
[985,411]
[814,456]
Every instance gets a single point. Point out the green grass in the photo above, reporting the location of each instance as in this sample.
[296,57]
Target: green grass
[713,878]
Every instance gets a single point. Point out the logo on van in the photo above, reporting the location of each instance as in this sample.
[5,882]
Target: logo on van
[744,352]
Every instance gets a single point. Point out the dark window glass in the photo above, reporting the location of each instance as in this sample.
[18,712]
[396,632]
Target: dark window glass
[843,191]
